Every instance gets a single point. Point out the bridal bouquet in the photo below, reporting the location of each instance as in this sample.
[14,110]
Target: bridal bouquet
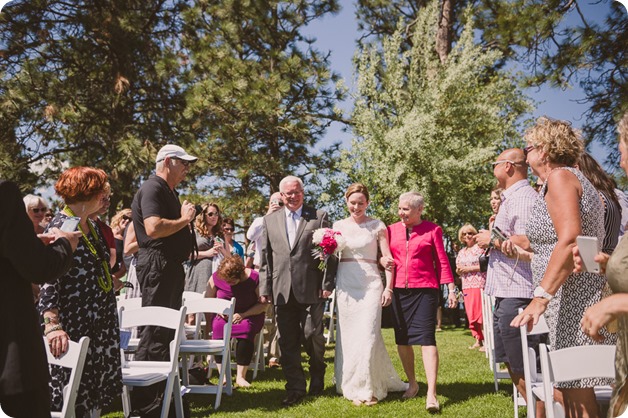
[327,242]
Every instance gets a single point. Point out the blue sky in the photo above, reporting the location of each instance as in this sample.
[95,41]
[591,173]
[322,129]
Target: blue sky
[338,34]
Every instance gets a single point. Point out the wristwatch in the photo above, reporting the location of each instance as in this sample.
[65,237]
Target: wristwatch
[539,292]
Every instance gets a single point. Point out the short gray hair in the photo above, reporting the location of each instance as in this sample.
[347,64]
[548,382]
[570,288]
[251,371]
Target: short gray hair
[159,166]
[30,201]
[289,179]
[414,199]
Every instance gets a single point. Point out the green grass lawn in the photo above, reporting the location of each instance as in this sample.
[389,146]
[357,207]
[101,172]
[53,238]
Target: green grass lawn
[465,389]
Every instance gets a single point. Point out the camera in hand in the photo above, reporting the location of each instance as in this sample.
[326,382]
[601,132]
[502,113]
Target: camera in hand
[198,209]
[497,233]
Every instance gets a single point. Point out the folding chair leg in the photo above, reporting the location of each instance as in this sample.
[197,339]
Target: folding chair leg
[259,354]
[178,400]
[126,401]
[165,409]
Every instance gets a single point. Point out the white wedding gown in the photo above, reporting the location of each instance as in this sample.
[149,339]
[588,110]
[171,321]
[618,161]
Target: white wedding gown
[363,369]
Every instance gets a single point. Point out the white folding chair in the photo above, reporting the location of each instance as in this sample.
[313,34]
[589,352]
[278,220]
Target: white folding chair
[574,363]
[533,382]
[140,373]
[331,314]
[73,359]
[210,347]
[489,340]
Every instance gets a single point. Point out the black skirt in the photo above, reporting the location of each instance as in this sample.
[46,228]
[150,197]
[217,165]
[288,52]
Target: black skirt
[415,315]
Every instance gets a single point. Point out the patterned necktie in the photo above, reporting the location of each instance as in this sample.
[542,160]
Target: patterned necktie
[292,228]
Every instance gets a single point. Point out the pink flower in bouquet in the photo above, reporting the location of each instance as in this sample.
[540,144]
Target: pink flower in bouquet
[327,242]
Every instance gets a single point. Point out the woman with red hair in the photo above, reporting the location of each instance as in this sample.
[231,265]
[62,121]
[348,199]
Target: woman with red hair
[82,302]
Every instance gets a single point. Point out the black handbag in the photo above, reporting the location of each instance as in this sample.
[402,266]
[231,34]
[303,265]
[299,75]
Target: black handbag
[483,259]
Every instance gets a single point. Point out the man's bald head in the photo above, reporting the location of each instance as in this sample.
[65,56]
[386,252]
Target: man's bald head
[513,154]
[513,167]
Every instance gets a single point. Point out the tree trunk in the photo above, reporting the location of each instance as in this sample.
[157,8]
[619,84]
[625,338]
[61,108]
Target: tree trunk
[443,35]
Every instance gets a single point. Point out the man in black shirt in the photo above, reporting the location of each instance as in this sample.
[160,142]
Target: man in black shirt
[162,228]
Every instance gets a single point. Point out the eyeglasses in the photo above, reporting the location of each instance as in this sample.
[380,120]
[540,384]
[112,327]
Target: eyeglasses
[184,162]
[227,229]
[527,150]
[211,213]
[291,194]
[498,162]
[37,210]
[467,233]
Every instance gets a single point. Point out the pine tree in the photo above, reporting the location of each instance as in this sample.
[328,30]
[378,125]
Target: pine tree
[432,127]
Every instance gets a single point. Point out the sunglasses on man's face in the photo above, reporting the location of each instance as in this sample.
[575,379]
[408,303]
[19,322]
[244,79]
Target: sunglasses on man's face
[184,162]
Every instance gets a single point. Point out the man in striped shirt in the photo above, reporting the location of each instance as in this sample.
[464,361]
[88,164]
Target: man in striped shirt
[509,280]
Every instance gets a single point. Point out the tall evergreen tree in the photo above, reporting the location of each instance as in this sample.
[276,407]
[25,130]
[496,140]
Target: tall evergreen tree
[89,83]
[432,127]
[261,96]
[553,40]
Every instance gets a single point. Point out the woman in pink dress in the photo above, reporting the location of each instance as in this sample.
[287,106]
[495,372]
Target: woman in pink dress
[473,281]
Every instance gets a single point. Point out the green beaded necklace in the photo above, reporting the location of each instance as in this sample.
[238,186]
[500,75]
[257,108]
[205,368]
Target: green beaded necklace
[108,285]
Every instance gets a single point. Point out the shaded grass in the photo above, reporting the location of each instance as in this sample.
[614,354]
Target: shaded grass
[465,389]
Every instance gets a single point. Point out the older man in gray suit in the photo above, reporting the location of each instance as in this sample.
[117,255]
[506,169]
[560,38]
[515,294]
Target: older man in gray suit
[290,278]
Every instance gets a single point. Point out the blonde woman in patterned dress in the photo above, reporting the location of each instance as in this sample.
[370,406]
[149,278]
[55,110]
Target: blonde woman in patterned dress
[473,281]
[568,206]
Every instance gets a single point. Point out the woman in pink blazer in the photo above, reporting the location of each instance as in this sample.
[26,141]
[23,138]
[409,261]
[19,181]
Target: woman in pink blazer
[421,265]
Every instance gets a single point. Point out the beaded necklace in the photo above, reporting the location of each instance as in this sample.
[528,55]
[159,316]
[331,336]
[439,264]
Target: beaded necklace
[106,286]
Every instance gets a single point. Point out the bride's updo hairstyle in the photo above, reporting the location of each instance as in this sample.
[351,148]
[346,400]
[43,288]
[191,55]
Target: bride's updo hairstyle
[357,188]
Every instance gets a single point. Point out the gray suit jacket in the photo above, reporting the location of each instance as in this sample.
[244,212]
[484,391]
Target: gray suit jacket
[283,269]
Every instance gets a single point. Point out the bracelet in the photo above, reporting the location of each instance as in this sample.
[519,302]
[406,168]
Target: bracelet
[57,327]
[389,289]
[49,319]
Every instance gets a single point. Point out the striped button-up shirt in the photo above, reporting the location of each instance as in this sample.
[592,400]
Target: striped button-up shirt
[503,279]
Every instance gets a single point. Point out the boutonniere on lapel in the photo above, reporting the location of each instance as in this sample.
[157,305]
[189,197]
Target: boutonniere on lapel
[327,242]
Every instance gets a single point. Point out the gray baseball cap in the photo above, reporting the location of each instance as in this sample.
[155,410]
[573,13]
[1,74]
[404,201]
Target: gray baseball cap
[174,151]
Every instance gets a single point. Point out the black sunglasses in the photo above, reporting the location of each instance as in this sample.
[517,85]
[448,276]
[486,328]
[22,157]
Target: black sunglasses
[37,210]
[527,150]
[228,229]
[211,213]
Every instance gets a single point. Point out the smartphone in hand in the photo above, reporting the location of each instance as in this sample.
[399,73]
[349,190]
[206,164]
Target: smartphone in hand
[588,248]
[70,224]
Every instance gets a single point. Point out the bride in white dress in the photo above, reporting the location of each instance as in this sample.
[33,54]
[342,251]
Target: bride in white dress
[364,373]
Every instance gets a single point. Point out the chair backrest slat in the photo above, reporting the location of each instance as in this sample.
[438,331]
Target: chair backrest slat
[583,362]
[150,315]
[208,305]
